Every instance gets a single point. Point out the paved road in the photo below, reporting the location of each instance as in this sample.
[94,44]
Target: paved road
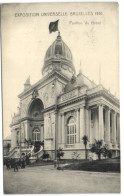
[44,179]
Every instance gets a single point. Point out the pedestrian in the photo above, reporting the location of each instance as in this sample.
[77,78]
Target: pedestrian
[20,163]
[23,163]
[15,165]
[8,164]
[27,160]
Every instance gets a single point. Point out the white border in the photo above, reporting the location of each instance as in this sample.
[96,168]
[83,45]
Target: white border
[121,48]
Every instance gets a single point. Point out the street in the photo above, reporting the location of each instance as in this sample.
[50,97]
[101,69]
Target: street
[45,179]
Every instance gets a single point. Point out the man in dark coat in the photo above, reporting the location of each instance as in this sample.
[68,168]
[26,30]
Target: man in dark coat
[23,163]
[15,165]
[8,163]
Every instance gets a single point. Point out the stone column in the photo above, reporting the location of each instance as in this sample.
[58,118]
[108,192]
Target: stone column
[82,123]
[26,129]
[22,138]
[78,125]
[90,129]
[107,122]
[41,135]
[56,132]
[101,131]
[63,129]
[114,127]
[118,130]
[87,120]
[59,129]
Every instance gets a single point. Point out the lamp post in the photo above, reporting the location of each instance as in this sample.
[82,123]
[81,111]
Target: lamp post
[56,125]
[56,122]
[20,130]
[20,138]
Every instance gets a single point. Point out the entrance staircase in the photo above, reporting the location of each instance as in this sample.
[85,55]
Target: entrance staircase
[25,151]
[35,156]
[15,152]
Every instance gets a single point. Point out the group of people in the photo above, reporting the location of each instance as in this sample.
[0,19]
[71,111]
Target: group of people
[15,163]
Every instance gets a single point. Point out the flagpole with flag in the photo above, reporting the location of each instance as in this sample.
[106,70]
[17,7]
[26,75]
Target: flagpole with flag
[53,26]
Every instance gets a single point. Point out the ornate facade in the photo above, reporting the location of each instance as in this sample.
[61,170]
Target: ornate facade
[61,108]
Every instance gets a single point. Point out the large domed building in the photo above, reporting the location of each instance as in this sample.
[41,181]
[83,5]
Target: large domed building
[61,108]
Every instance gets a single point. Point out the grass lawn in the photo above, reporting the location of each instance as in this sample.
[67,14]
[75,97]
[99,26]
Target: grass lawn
[106,165]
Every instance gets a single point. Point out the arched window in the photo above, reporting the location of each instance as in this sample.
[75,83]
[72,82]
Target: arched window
[71,131]
[36,135]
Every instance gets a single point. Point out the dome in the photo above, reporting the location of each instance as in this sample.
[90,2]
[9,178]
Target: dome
[58,56]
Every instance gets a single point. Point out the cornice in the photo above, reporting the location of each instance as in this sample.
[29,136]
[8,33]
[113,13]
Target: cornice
[43,81]
[105,95]
[53,107]
[72,101]
[24,119]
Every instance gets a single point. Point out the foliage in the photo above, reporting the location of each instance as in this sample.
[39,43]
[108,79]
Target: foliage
[75,155]
[85,141]
[109,154]
[60,153]
[46,155]
[99,149]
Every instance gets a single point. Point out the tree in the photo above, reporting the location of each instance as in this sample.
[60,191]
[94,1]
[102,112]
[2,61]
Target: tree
[109,154]
[98,148]
[60,153]
[46,155]
[106,152]
[85,140]
[75,155]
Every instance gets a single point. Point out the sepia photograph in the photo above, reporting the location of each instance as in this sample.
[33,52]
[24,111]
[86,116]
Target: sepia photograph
[61,98]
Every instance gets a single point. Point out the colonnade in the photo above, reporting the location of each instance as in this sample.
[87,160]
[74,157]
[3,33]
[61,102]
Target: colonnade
[103,124]
[109,125]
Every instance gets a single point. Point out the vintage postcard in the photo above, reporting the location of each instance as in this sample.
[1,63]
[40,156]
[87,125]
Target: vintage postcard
[60,91]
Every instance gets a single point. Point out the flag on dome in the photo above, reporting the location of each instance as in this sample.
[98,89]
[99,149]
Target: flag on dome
[53,26]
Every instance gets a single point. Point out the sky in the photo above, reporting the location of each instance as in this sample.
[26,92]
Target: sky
[91,35]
